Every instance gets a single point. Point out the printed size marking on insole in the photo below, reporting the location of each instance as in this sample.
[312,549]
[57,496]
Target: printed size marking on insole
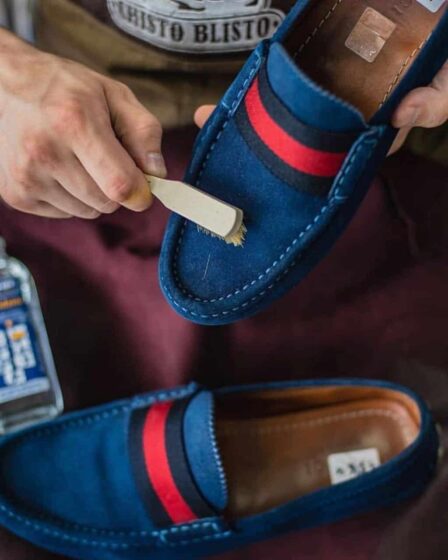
[351,464]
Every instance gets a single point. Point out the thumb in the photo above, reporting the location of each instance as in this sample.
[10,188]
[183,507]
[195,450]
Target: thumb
[139,131]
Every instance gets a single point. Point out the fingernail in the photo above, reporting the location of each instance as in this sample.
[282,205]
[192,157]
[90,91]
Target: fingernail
[156,165]
[408,117]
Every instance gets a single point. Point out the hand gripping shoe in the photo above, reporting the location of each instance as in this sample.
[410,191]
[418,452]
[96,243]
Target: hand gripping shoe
[295,143]
[190,472]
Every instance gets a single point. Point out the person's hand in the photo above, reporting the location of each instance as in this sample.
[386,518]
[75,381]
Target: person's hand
[72,142]
[203,114]
[426,107]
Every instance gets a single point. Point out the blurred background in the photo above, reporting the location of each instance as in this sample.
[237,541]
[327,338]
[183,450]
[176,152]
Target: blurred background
[17,15]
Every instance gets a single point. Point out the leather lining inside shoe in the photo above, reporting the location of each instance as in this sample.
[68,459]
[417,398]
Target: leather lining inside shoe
[360,50]
[275,445]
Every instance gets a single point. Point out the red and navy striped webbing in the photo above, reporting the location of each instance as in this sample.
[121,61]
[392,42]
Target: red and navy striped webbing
[161,466]
[304,157]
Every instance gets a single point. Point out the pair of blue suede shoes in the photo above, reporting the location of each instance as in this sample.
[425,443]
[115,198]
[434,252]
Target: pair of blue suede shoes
[191,472]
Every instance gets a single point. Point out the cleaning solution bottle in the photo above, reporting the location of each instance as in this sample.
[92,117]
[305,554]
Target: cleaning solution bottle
[29,387]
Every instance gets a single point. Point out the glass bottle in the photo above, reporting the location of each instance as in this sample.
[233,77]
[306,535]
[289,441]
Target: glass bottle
[29,387]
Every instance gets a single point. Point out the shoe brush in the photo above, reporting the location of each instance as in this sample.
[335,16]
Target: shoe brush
[212,216]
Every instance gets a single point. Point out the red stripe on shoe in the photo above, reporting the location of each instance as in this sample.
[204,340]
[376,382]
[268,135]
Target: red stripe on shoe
[158,467]
[288,149]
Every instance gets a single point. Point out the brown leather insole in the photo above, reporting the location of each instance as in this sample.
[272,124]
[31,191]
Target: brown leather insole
[318,45]
[277,456]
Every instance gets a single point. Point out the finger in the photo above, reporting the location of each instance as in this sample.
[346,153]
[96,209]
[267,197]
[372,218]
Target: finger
[425,107]
[138,130]
[440,82]
[400,140]
[111,167]
[76,181]
[55,195]
[48,211]
[41,209]
[203,114]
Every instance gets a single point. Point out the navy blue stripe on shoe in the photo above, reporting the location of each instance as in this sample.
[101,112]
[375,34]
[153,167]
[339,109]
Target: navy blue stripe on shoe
[177,457]
[160,465]
[325,141]
[301,156]
[318,186]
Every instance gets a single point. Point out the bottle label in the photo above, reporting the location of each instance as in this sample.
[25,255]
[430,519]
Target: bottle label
[21,366]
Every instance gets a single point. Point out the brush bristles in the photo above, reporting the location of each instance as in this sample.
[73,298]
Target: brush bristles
[236,239]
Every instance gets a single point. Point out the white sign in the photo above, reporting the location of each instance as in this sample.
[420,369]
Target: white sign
[197,26]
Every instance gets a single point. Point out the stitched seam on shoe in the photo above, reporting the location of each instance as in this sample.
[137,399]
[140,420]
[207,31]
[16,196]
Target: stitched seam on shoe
[195,539]
[186,528]
[318,27]
[333,199]
[217,456]
[279,428]
[103,544]
[401,70]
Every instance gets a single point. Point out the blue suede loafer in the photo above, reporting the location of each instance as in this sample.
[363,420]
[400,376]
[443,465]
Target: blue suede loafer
[191,472]
[295,143]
